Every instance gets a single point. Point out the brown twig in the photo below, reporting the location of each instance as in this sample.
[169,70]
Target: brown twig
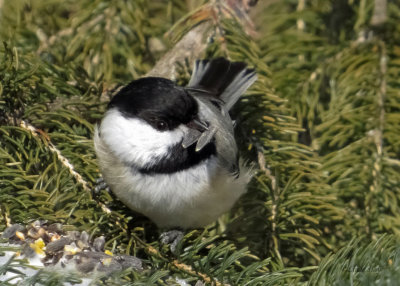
[64,161]
[274,197]
[379,15]
[189,270]
[190,47]
[193,44]
[377,136]
[7,220]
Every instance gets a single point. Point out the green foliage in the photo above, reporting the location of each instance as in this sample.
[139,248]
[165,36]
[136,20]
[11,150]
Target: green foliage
[337,69]
[376,263]
[320,128]
[289,186]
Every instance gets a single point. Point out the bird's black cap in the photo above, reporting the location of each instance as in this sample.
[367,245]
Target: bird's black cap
[156,100]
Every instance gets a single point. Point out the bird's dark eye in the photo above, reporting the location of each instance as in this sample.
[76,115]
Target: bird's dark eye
[161,125]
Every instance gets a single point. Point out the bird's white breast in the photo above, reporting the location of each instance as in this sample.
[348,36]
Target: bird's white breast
[190,198]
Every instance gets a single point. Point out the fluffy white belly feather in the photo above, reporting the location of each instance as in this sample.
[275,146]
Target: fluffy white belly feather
[191,198]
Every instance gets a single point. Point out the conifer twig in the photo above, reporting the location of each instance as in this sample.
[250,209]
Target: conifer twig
[189,47]
[188,269]
[301,25]
[274,197]
[377,134]
[193,44]
[176,264]
[4,213]
[300,22]
[64,161]
[379,15]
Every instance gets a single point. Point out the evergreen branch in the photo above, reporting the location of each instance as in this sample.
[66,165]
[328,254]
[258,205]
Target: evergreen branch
[377,136]
[328,79]
[301,25]
[176,265]
[64,161]
[275,198]
[188,269]
[148,248]
[7,220]
[190,47]
[193,44]
[47,42]
[357,263]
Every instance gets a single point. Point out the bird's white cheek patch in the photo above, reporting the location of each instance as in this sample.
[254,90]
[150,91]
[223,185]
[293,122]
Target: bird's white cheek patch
[134,141]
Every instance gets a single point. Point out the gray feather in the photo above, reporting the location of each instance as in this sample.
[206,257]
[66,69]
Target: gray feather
[223,79]
[238,86]
[217,85]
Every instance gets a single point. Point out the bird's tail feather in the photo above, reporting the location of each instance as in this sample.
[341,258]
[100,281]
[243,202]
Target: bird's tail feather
[227,80]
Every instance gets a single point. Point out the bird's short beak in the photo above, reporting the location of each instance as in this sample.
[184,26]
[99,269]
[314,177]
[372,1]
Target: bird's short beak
[196,128]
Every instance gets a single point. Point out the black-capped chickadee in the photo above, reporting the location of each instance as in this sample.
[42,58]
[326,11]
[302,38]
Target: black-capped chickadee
[169,152]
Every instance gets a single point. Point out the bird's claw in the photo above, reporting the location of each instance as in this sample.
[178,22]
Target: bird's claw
[100,185]
[172,237]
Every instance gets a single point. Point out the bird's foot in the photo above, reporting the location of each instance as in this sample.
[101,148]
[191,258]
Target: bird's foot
[100,185]
[172,237]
